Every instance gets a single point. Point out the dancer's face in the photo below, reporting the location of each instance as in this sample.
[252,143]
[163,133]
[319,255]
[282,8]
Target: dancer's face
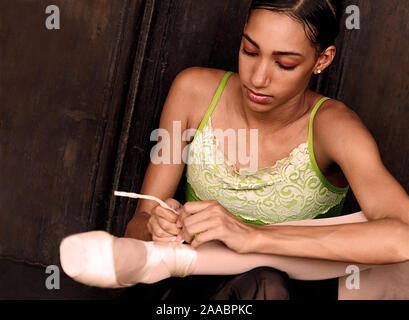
[265,70]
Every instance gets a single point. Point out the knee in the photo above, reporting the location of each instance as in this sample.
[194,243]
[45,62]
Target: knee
[258,284]
[271,284]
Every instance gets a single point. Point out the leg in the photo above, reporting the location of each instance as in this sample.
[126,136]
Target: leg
[215,258]
[258,284]
[318,290]
[197,287]
[384,282]
[106,267]
[100,259]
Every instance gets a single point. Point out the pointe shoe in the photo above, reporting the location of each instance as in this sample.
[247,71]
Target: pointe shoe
[88,258]
[179,259]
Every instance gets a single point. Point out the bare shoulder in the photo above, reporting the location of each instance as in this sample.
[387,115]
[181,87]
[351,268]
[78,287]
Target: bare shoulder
[198,86]
[199,78]
[334,115]
[339,129]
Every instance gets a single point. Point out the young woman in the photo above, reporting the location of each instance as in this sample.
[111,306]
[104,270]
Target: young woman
[311,149]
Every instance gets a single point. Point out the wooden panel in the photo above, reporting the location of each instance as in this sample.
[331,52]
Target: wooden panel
[62,93]
[22,281]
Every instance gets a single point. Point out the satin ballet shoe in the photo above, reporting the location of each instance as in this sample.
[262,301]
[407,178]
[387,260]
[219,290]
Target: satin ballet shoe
[166,259]
[88,258]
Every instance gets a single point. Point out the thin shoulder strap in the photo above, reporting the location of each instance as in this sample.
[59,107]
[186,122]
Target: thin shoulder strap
[215,100]
[312,156]
[314,111]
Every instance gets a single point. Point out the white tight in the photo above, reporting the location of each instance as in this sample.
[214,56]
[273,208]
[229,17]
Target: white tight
[376,282]
[129,261]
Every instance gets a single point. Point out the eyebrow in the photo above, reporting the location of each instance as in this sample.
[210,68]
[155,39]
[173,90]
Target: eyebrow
[275,53]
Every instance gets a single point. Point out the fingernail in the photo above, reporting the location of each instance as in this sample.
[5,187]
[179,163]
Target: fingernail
[179,224]
[178,238]
[174,239]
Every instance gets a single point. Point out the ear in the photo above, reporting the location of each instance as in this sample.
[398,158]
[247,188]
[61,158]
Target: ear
[325,59]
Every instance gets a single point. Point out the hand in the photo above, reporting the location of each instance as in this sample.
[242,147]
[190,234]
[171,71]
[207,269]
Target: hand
[209,220]
[162,222]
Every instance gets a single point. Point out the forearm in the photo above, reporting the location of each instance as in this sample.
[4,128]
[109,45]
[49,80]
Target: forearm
[137,227]
[348,218]
[382,241]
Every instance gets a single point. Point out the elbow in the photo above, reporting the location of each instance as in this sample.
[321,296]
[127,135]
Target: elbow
[404,240]
[404,252]
[400,245]
[401,256]
[394,245]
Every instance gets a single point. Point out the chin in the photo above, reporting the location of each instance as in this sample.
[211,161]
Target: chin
[258,107]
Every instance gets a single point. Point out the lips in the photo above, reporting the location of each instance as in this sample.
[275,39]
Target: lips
[258,98]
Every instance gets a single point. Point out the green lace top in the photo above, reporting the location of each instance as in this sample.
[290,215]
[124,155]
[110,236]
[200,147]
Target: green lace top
[292,189]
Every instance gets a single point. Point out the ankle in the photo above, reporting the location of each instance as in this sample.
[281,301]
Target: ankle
[180,259]
[129,258]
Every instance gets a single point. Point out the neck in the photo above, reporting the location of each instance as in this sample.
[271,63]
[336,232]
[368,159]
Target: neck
[278,117]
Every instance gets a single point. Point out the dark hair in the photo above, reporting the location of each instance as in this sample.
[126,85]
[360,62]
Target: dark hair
[321,18]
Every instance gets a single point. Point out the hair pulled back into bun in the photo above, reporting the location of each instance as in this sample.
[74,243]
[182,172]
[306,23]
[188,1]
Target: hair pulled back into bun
[321,18]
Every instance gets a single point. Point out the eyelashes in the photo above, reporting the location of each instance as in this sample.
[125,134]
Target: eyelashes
[248,53]
[254,54]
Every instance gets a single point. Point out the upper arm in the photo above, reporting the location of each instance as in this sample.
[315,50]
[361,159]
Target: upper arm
[161,180]
[348,143]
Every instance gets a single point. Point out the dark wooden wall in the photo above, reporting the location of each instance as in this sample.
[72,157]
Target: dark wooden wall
[77,107]
[371,76]
[62,96]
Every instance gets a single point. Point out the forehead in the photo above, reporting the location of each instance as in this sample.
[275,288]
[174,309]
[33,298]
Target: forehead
[276,31]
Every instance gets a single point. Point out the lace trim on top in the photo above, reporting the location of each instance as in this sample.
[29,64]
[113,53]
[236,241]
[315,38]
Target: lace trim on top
[289,190]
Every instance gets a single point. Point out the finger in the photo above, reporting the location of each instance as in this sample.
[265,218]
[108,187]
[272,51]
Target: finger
[203,237]
[189,217]
[165,214]
[169,227]
[195,206]
[185,236]
[178,207]
[151,223]
[201,226]
[160,233]
[148,225]
[157,231]
[182,217]
[190,232]
[200,216]
[179,221]
[173,203]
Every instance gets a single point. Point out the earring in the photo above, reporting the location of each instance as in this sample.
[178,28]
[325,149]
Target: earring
[319,71]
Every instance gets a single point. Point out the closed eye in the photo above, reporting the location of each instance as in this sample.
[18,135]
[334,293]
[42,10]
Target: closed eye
[252,54]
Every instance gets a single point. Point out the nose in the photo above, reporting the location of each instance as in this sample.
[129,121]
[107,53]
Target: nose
[261,77]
